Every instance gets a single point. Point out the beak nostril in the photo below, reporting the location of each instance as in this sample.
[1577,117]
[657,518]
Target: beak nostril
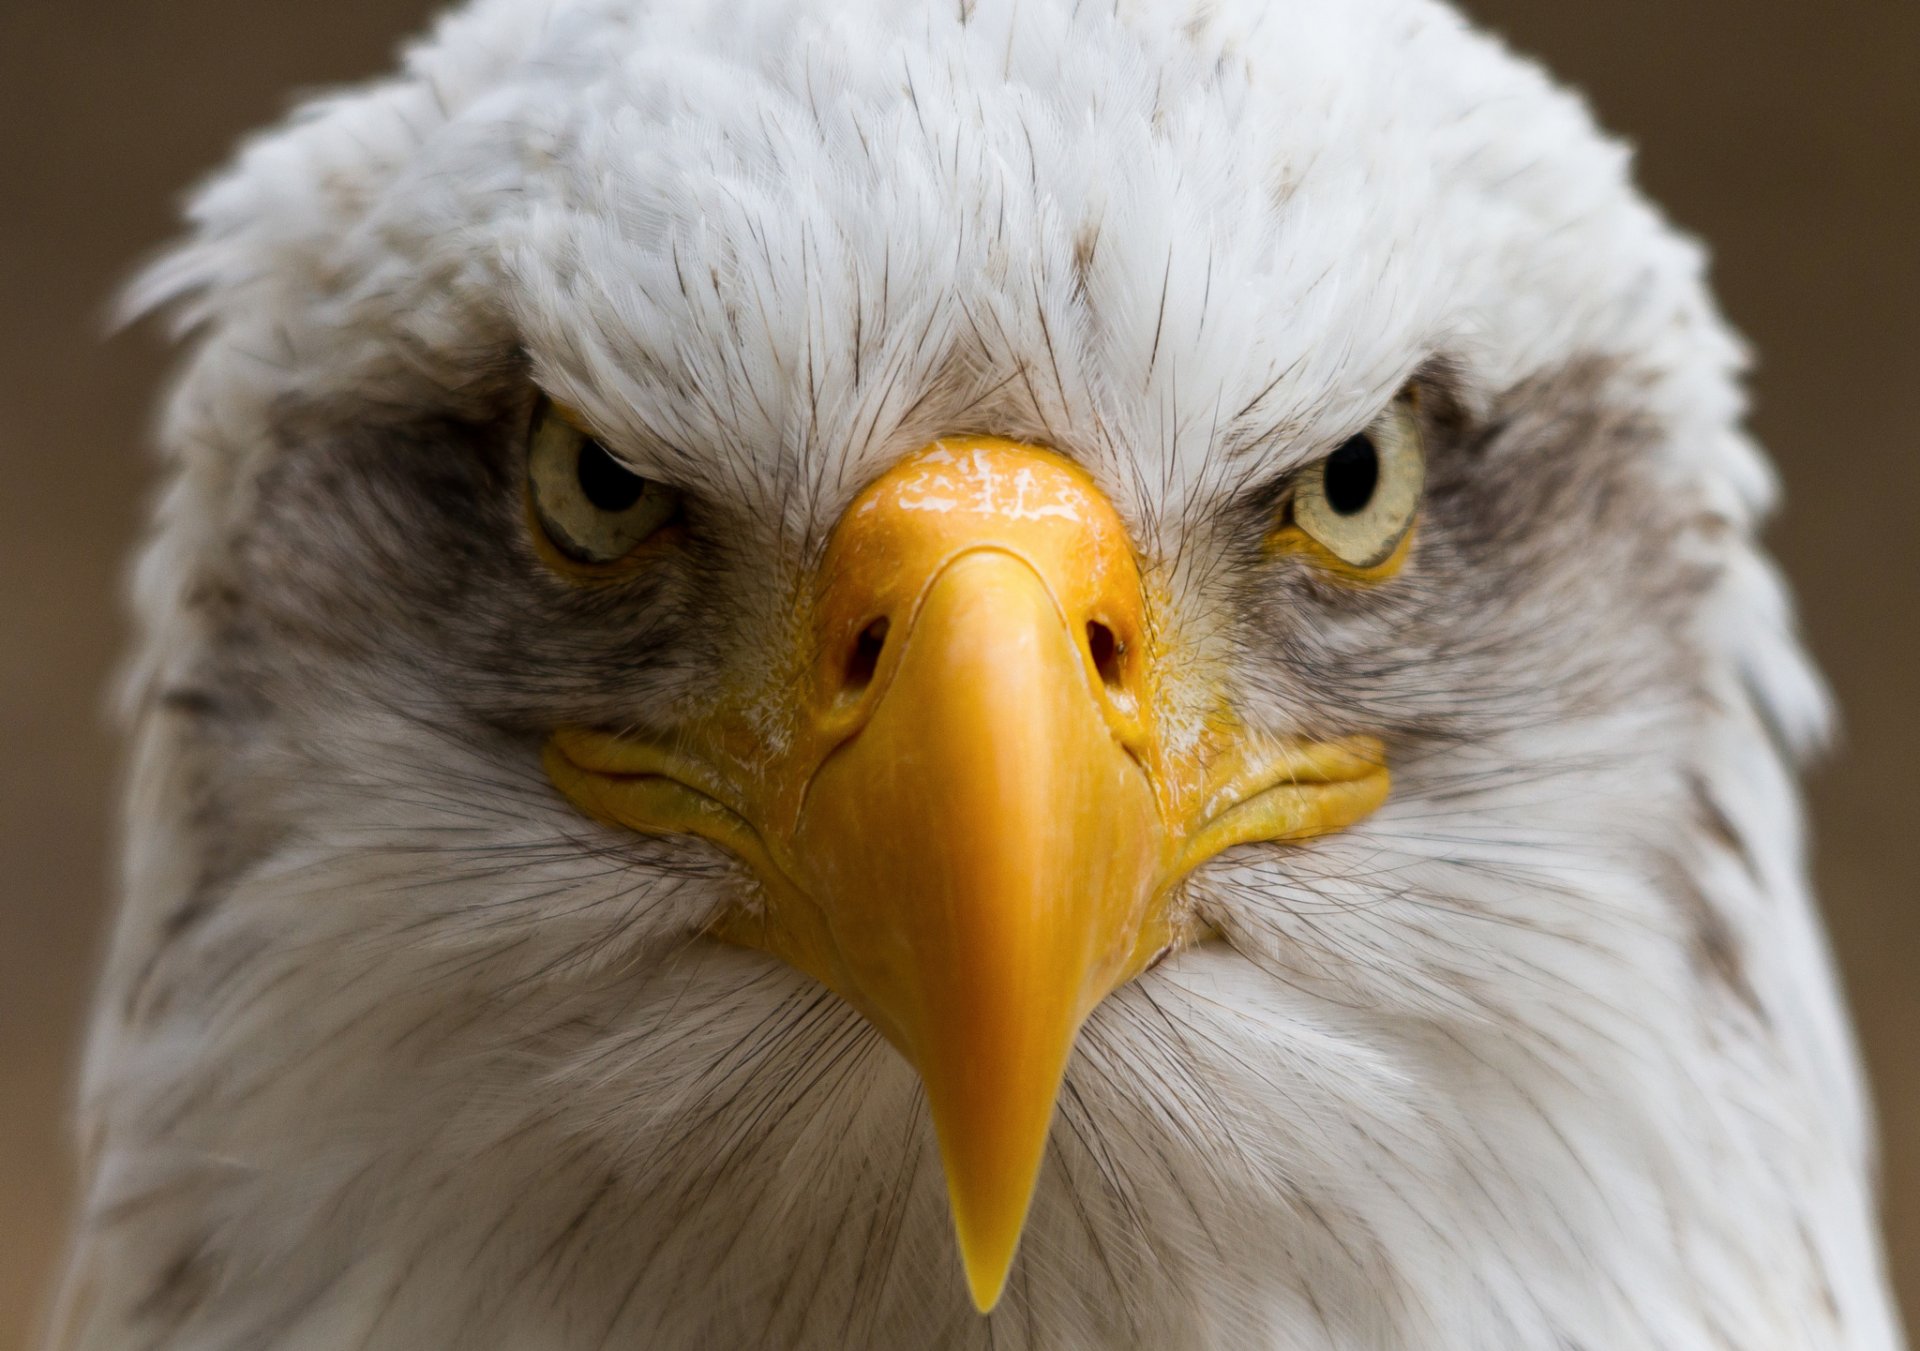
[1106,650]
[864,660]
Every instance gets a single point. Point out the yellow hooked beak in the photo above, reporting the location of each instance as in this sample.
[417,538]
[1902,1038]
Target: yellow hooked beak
[971,826]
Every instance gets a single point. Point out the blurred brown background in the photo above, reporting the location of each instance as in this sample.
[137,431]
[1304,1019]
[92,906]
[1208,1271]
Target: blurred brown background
[1786,133]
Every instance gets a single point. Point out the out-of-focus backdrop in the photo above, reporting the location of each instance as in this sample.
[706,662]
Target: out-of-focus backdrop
[1787,134]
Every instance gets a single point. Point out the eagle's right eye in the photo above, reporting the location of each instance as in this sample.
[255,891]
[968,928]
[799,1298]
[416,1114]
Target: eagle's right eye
[589,506]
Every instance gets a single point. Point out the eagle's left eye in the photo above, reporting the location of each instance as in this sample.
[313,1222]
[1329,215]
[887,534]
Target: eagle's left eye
[591,507]
[1359,502]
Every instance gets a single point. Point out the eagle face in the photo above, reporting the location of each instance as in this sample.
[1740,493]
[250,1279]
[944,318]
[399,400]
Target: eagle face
[789,638]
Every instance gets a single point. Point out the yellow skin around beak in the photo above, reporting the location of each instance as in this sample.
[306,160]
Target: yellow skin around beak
[974,832]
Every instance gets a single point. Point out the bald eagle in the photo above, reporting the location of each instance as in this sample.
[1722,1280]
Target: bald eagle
[962,673]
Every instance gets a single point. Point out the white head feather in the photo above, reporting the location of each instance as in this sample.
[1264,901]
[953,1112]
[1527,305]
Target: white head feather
[397,1051]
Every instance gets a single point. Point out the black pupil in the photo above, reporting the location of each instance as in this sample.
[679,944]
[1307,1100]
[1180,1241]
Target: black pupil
[608,484]
[1353,471]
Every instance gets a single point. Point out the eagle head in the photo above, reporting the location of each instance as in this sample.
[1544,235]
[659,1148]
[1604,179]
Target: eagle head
[783,633]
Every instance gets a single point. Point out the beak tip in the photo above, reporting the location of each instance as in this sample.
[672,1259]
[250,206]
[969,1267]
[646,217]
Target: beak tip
[987,1266]
[988,1222]
[992,1176]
